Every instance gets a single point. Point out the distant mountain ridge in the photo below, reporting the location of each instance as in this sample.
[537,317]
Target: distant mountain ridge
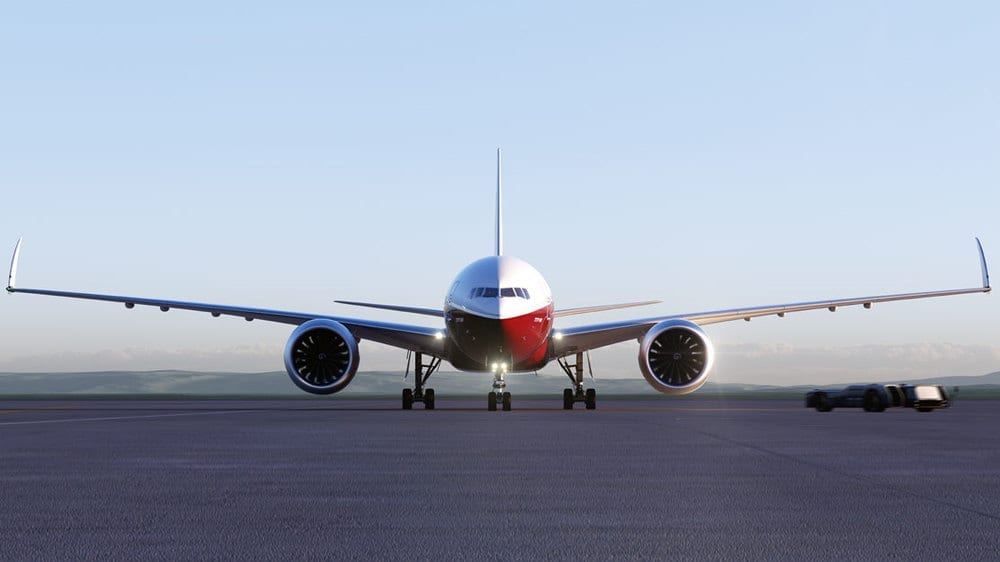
[277,383]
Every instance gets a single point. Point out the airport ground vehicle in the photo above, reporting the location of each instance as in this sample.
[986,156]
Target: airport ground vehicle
[925,397]
[871,397]
[878,397]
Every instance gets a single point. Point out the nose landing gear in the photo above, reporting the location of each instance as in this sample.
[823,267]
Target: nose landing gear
[498,395]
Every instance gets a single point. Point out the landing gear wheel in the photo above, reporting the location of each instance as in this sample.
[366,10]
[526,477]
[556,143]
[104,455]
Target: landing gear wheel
[421,372]
[491,401]
[506,401]
[591,399]
[567,399]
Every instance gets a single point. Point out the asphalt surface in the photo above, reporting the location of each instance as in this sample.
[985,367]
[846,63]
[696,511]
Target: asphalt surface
[634,479]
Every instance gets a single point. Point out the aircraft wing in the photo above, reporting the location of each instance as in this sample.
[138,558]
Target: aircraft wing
[582,338]
[416,338]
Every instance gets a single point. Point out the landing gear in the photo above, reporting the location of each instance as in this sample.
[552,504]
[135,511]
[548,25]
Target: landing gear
[501,398]
[574,371]
[498,395]
[421,373]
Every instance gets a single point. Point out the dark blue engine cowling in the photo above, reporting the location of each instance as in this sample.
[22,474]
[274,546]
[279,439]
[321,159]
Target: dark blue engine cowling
[675,357]
[321,356]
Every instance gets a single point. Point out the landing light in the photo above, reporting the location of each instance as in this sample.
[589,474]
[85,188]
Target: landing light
[557,336]
[439,335]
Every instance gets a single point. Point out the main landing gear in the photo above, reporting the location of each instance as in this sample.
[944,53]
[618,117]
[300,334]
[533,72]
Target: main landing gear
[421,373]
[498,395]
[576,394]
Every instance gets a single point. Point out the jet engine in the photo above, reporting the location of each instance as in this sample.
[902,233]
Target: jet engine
[675,357]
[321,356]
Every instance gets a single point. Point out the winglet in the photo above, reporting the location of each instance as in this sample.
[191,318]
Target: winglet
[499,232]
[12,276]
[982,262]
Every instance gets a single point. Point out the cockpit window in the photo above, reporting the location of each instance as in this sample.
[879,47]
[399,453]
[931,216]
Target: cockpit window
[493,292]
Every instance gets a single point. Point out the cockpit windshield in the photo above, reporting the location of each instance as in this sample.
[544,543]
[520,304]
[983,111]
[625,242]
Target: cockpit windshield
[502,292]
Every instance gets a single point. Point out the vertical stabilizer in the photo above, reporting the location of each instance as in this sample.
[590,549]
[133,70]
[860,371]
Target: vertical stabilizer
[499,232]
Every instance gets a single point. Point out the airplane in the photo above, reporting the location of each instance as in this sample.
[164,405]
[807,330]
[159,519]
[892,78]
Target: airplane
[498,317]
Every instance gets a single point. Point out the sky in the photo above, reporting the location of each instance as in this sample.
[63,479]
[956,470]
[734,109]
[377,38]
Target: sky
[709,155]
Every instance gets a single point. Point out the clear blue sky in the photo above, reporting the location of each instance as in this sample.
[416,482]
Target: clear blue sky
[711,155]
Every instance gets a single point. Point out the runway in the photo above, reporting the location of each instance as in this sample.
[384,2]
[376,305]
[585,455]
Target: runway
[362,479]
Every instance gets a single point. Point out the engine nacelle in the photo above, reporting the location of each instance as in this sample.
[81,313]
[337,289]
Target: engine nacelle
[321,356]
[675,357]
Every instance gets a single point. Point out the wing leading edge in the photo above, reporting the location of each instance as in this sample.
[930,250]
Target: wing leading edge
[416,338]
[582,338]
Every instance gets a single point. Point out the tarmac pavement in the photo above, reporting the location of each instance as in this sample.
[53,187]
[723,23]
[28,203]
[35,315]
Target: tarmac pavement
[362,479]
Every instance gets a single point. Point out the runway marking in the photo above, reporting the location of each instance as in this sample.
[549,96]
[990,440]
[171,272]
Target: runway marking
[113,418]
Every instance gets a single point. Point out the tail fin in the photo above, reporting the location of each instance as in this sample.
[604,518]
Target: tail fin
[499,233]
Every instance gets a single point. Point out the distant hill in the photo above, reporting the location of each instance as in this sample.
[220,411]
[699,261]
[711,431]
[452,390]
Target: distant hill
[990,379]
[372,384]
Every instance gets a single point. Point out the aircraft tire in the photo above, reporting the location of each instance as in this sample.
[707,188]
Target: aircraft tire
[491,401]
[506,401]
[429,399]
[591,399]
[407,398]
[567,399]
